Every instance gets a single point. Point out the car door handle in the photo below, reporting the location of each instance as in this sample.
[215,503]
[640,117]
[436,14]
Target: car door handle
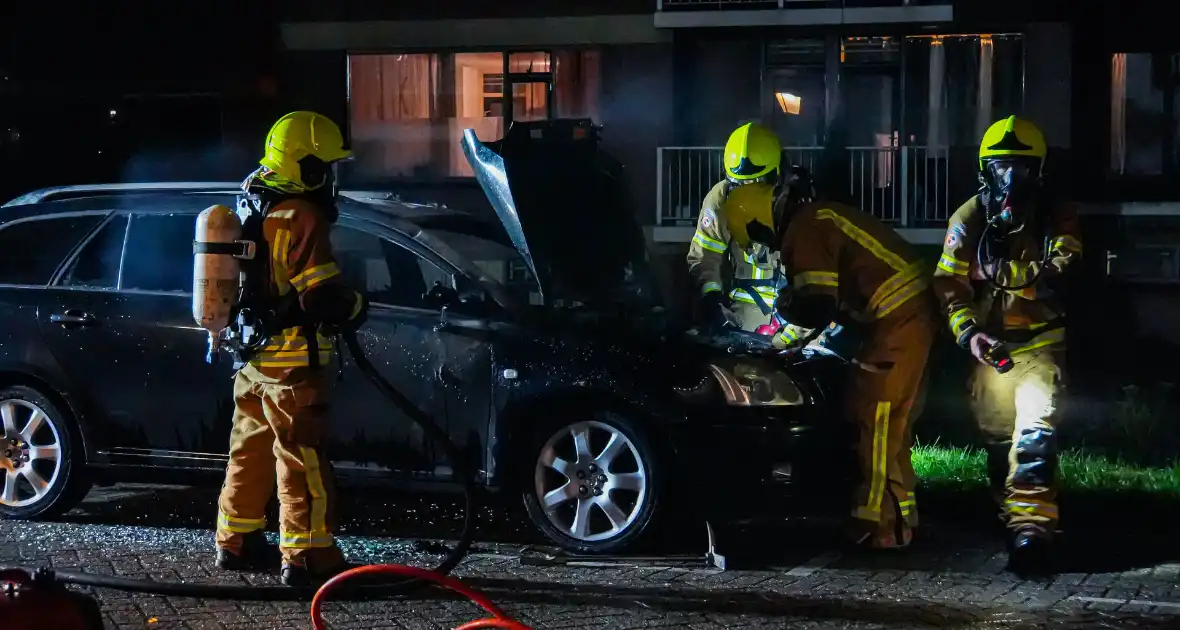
[73,318]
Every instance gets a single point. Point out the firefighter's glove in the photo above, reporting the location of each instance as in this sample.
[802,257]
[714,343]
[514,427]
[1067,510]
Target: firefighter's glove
[980,346]
[715,311]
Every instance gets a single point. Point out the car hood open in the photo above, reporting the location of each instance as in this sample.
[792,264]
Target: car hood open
[564,205]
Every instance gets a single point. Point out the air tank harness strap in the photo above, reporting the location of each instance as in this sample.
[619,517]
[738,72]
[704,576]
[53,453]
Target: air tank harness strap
[238,249]
[751,289]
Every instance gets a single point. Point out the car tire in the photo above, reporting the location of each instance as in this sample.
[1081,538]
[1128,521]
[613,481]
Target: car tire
[28,460]
[618,505]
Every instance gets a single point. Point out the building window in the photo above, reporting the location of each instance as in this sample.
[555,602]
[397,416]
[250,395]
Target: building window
[958,85]
[408,111]
[1143,114]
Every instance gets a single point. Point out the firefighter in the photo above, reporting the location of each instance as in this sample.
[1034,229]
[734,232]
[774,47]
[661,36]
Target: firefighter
[282,393]
[1000,282]
[752,158]
[850,270]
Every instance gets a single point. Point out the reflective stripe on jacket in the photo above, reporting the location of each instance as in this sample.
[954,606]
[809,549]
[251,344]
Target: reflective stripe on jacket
[869,268]
[1029,318]
[301,260]
[712,247]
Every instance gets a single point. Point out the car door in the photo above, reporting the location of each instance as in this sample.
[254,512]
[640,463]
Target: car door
[124,329]
[369,433]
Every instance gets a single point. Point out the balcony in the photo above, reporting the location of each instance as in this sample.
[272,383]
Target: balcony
[907,187]
[730,13]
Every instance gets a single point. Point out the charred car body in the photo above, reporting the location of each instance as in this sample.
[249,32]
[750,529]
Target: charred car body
[538,343]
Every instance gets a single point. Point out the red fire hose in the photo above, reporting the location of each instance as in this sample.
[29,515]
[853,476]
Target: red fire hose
[498,619]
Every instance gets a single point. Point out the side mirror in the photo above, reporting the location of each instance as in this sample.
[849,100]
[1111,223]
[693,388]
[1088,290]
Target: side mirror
[440,296]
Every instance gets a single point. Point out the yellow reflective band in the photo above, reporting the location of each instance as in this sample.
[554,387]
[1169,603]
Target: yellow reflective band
[908,292]
[898,289]
[960,319]
[818,278]
[863,239]
[1017,273]
[313,276]
[1068,243]
[707,243]
[1042,340]
[278,256]
[1033,508]
[239,525]
[305,541]
[317,494]
[953,265]
[768,294]
[871,510]
[710,287]
[289,359]
[787,335]
[281,214]
[358,304]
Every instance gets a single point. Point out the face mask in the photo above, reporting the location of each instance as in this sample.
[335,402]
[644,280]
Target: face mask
[1011,184]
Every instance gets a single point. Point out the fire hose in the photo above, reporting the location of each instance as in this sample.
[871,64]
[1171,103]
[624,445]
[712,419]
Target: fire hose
[40,588]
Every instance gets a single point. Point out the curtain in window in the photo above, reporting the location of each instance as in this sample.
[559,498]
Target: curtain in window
[1118,112]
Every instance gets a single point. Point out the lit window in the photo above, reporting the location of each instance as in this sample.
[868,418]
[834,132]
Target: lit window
[408,111]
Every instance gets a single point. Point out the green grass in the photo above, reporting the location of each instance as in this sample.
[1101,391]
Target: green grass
[965,469]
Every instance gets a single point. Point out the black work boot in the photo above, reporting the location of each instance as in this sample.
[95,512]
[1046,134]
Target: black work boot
[1030,552]
[256,555]
[302,575]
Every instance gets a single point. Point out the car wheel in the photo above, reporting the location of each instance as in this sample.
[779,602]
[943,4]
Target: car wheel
[38,472]
[595,483]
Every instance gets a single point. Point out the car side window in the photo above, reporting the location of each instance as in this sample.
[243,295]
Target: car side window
[30,251]
[159,254]
[387,272]
[97,265]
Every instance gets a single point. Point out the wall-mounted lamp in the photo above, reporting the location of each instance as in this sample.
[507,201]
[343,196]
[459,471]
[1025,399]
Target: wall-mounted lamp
[789,103]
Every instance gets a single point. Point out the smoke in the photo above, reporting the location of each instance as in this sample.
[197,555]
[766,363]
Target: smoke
[220,162]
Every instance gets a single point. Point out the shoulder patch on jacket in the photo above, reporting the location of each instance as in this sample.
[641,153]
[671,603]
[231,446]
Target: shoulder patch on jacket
[955,234]
[708,218]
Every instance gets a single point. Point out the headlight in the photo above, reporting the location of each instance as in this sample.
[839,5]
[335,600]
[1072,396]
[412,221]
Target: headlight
[746,383]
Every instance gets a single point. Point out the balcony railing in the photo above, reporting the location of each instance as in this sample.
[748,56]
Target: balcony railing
[785,4]
[907,186]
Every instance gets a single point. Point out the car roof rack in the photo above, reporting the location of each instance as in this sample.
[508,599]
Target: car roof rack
[57,193]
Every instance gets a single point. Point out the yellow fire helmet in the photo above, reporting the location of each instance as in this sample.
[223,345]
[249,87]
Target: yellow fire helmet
[752,152]
[1009,137]
[298,136]
[749,213]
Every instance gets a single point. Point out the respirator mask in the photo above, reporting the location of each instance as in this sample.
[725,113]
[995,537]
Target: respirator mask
[1009,187]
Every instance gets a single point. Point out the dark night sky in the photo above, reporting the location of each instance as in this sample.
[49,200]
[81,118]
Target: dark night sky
[70,64]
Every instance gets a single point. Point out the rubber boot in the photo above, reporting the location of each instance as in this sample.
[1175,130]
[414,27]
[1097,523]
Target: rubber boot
[256,555]
[1030,551]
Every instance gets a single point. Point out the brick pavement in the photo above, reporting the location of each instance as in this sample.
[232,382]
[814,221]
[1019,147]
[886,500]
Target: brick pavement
[952,579]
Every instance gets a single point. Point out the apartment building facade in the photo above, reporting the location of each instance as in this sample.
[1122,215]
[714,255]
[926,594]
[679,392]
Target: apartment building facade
[884,99]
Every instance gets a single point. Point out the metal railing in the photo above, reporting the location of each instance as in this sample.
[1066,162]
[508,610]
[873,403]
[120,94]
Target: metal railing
[766,4]
[906,186]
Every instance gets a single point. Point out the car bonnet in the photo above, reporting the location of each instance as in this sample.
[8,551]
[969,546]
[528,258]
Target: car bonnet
[565,208]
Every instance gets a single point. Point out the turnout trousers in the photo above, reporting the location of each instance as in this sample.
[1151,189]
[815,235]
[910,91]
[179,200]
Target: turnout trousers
[277,435]
[883,405]
[1018,413]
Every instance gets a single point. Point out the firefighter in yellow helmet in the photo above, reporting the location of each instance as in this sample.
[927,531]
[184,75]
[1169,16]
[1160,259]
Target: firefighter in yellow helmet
[743,297]
[849,269]
[281,394]
[1000,281]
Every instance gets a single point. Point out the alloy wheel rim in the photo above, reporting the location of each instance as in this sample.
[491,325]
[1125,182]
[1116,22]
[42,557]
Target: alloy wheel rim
[30,453]
[586,496]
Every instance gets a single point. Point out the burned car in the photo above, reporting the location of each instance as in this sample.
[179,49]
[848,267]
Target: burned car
[537,341]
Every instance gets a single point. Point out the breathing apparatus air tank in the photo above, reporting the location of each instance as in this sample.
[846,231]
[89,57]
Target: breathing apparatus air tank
[217,253]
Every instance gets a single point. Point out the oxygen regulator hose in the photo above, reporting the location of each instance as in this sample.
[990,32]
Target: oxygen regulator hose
[418,577]
[992,276]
